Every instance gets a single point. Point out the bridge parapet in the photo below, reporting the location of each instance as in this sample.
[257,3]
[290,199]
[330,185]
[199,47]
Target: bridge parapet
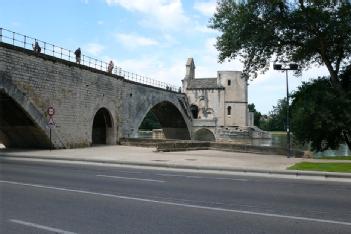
[26,42]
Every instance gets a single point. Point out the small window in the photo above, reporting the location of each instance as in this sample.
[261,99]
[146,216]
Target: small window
[194,111]
[229,82]
[229,110]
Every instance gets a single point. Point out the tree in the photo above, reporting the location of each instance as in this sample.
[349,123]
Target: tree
[276,120]
[305,32]
[150,122]
[321,115]
[257,114]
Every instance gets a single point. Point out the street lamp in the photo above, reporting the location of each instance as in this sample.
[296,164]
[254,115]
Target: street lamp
[292,66]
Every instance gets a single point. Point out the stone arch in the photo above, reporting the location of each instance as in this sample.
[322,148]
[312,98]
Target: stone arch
[204,134]
[17,128]
[22,125]
[170,119]
[103,131]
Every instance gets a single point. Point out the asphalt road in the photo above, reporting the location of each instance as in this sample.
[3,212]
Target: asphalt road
[42,197]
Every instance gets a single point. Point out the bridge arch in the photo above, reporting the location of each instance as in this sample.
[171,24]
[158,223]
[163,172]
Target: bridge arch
[204,134]
[22,125]
[171,120]
[103,130]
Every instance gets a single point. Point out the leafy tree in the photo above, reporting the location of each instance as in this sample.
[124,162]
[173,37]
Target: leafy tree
[276,120]
[150,122]
[257,114]
[305,32]
[321,115]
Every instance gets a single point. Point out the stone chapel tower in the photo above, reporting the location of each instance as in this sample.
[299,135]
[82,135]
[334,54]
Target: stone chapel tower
[189,73]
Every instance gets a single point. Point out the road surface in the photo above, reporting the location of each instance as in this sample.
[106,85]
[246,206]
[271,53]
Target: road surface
[46,197]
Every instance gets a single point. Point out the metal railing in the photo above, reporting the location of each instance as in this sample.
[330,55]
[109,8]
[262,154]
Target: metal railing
[27,42]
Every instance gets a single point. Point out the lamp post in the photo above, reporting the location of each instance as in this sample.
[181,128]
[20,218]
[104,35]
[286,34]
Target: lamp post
[291,67]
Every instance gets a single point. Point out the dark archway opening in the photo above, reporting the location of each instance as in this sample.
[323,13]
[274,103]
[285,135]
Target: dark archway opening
[204,135]
[17,129]
[194,111]
[166,116]
[150,127]
[102,126]
[150,122]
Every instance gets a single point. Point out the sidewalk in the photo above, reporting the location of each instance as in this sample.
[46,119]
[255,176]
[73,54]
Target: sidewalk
[199,159]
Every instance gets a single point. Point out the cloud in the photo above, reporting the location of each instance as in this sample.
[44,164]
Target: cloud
[210,60]
[93,48]
[204,29]
[133,41]
[267,88]
[169,41]
[156,68]
[163,14]
[206,8]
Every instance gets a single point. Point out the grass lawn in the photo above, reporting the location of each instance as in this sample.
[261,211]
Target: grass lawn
[336,158]
[278,133]
[331,167]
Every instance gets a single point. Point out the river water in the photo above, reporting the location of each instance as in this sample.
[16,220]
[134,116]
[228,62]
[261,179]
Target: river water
[343,150]
[280,140]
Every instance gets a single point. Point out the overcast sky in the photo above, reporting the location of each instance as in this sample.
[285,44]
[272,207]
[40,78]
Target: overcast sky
[149,37]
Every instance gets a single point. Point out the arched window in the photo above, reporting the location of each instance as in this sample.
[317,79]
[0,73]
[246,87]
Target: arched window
[195,111]
[229,82]
[229,110]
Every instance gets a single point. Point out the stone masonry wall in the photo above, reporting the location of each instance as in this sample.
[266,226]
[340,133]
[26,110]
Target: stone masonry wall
[77,93]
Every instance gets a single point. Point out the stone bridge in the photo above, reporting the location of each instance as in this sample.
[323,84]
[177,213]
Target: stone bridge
[91,105]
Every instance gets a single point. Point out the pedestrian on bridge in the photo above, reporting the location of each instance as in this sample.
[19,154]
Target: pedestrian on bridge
[36,47]
[110,67]
[78,54]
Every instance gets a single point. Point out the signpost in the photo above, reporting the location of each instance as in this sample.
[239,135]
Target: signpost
[51,122]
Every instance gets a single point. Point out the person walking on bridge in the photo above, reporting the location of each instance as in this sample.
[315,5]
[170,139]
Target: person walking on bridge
[36,47]
[78,53]
[110,67]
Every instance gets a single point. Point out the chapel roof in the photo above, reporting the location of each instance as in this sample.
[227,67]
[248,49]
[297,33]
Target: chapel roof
[204,83]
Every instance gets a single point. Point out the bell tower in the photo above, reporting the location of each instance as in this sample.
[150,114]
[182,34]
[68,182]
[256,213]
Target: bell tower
[189,73]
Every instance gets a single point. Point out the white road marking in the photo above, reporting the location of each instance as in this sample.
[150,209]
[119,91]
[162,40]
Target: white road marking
[224,178]
[181,204]
[132,172]
[38,226]
[202,177]
[130,178]
[169,175]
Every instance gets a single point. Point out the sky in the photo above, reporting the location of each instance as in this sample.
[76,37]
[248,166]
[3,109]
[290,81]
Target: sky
[153,38]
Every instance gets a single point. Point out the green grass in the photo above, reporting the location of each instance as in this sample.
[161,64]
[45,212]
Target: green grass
[331,167]
[278,133]
[336,158]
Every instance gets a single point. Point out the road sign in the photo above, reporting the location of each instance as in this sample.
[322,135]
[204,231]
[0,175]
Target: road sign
[51,123]
[51,111]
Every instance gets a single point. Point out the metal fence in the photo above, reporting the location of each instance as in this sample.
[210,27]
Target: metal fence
[27,42]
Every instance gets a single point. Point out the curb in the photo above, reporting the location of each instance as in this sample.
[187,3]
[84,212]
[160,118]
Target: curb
[209,168]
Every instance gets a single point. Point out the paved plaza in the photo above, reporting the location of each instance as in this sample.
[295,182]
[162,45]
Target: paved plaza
[149,156]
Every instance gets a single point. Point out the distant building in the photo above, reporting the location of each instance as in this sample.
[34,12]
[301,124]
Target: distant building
[219,105]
